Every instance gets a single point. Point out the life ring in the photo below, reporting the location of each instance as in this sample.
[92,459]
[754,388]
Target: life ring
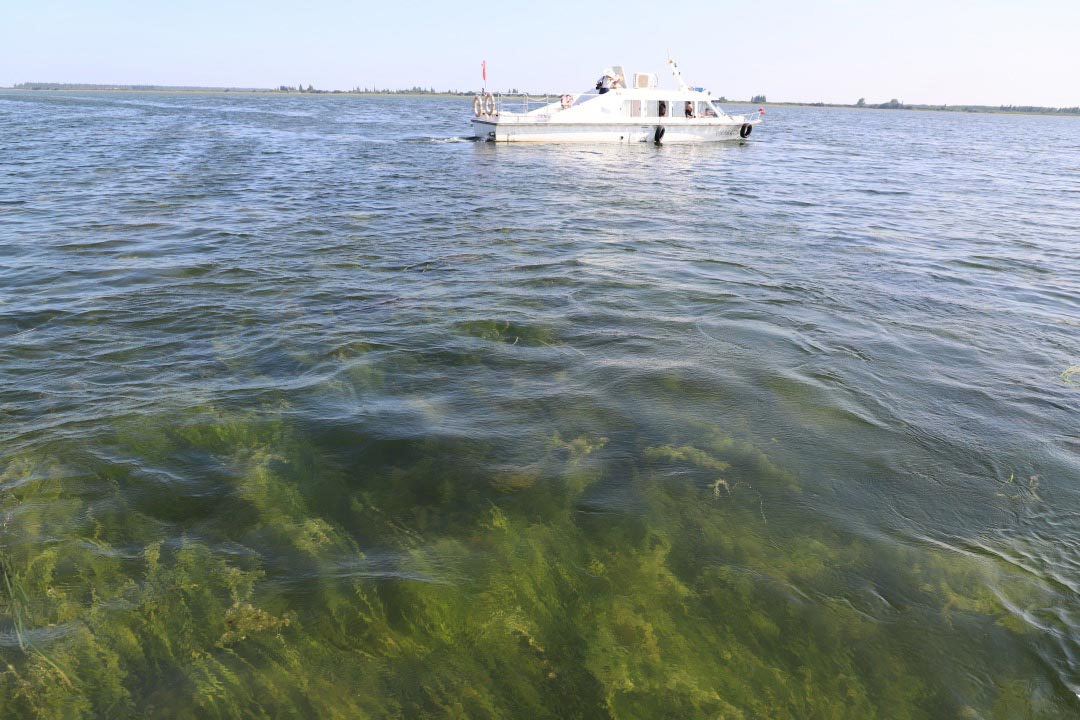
[489,104]
[567,101]
[659,134]
[745,130]
[477,106]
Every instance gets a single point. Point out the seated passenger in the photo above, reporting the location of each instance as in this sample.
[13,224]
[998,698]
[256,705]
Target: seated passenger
[663,108]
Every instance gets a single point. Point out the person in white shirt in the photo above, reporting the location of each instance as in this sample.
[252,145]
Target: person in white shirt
[609,81]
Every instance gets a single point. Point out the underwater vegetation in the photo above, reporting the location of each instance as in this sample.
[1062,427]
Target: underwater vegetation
[408,578]
[303,415]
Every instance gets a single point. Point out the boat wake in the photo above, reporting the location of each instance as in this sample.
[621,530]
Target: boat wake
[442,140]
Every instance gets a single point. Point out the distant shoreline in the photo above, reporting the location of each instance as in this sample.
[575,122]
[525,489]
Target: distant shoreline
[970,109]
[966,109]
[236,91]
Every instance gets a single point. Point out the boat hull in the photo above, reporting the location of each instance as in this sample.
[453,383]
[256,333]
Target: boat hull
[494,129]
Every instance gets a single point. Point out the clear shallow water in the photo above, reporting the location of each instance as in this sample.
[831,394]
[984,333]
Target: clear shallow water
[310,406]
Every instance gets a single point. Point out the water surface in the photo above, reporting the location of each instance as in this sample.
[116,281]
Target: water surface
[311,407]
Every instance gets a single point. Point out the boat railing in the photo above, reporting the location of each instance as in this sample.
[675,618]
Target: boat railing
[513,107]
[522,103]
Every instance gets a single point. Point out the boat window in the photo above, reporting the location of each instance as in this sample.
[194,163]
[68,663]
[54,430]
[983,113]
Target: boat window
[633,108]
[662,108]
[644,80]
[704,109]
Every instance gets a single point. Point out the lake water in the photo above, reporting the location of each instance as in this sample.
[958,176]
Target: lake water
[311,407]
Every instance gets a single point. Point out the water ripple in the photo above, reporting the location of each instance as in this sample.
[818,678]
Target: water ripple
[883,313]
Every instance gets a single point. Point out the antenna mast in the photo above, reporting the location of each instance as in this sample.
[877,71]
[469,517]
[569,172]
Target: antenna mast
[677,74]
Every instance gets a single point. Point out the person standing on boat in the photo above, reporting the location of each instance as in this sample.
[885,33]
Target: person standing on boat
[608,81]
[689,109]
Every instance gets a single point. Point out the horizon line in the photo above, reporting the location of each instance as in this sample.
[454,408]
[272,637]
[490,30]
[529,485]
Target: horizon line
[416,89]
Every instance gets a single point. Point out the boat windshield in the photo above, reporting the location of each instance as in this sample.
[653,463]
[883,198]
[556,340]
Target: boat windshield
[586,96]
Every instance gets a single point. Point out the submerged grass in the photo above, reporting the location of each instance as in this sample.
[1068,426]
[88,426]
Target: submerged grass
[404,579]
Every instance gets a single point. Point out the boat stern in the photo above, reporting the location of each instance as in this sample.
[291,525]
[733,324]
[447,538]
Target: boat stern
[484,128]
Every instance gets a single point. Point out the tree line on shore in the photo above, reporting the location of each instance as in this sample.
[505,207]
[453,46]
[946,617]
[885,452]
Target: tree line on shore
[893,104]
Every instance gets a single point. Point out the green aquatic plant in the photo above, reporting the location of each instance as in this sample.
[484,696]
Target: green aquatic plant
[508,331]
[435,578]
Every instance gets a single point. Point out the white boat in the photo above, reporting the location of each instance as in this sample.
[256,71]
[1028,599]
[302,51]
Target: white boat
[613,113]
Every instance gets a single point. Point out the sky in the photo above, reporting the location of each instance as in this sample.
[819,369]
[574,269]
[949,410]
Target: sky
[917,51]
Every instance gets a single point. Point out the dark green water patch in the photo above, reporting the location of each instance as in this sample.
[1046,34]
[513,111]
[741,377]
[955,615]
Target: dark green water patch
[508,331]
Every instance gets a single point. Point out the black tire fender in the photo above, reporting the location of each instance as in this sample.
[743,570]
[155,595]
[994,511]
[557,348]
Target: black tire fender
[745,130]
[659,134]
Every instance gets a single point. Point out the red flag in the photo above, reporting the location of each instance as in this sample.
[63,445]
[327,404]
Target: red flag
[761,110]
[483,69]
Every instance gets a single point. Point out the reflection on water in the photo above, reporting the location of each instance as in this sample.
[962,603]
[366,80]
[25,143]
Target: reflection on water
[307,414]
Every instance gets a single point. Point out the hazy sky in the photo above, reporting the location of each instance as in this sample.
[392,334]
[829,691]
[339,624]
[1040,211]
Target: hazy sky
[918,51]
